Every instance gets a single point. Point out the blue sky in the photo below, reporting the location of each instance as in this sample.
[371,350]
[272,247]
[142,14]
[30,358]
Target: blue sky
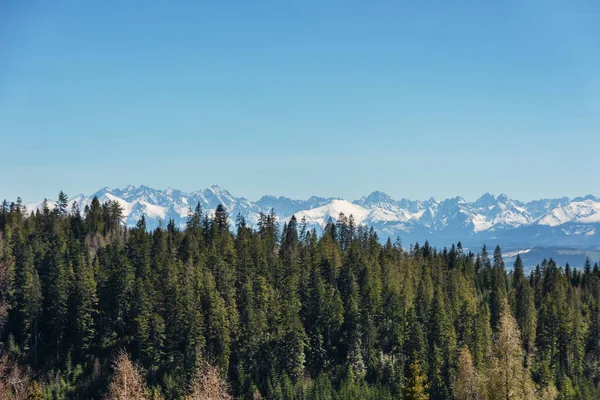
[333,98]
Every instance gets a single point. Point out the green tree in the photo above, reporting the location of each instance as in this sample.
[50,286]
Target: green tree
[63,203]
[416,385]
[525,306]
[29,304]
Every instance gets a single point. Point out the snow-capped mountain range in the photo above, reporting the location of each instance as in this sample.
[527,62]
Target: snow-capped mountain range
[549,222]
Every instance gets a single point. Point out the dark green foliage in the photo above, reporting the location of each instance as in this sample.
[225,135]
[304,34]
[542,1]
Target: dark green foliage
[283,312]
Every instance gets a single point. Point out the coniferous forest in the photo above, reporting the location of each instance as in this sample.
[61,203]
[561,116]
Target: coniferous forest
[222,309]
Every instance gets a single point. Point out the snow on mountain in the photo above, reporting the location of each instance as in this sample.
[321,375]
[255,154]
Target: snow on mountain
[537,208]
[582,210]
[491,212]
[320,215]
[543,221]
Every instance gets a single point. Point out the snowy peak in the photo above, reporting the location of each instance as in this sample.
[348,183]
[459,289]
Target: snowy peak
[490,216]
[377,199]
[584,210]
[318,216]
[486,200]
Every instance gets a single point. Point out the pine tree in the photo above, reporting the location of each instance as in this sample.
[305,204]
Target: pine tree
[29,303]
[416,384]
[525,306]
[149,325]
[194,221]
[221,219]
[442,342]
[482,346]
[85,303]
[498,286]
[93,217]
[63,203]
[56,295]
[415,346]
[218,339]
[116,293]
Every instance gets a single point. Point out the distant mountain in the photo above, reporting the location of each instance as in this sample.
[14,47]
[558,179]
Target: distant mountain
[567,222]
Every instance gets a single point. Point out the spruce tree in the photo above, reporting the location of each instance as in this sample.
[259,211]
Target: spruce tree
[63,203]
[525,307]
[416,385]
[29,303]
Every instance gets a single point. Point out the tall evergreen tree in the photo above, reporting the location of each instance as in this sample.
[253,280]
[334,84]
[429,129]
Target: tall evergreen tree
[63,203]
[416,384]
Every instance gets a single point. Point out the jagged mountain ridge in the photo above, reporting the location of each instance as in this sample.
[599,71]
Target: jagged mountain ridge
[548,222]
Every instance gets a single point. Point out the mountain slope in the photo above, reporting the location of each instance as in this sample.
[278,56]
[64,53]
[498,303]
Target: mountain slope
[547,222]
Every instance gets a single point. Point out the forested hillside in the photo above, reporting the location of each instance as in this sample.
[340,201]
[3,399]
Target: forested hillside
[90,309]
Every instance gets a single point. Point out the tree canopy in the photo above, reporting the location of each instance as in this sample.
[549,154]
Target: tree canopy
[279,311]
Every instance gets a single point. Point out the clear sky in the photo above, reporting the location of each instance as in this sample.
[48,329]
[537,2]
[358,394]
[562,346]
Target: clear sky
[295,98]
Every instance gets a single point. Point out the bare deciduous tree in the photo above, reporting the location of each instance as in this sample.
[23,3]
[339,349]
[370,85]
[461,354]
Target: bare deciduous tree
[507,377]
[5,285]
[467,378]
[127,382]
[15,381]
[207,384]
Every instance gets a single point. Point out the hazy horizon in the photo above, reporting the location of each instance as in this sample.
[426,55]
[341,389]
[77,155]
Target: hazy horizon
[54,195]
